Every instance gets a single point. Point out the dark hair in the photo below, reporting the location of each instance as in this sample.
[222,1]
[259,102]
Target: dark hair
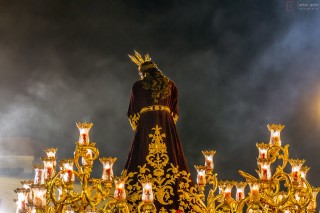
[157,82]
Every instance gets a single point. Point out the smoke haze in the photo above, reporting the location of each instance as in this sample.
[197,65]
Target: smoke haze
[238,66]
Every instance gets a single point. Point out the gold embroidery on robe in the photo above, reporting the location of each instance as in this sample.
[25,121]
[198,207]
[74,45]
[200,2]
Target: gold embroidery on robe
[165,176]
[175,117]
[133,119]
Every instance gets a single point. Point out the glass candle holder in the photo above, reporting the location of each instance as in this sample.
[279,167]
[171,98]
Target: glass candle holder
[225,188]
[49,168]
[275,130]
[27,185]
[107,171]
[228,189]
[263,150]
[84,129]
[38,174]
[296,169]
[201,175]
[240,190]
[254,190]
[265,170]
[39,195]
[51,153]
[208,155]
[88,157]
[22,198]
[313,203]
[119,192]
[147,193]
[67,168]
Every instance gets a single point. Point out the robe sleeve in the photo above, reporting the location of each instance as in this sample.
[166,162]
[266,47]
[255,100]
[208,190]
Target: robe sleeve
[174,103]
[133,114]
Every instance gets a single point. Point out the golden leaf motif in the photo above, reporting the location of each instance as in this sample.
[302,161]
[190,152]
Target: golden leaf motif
[166,177]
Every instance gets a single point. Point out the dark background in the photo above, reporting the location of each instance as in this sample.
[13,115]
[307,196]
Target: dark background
[238,65]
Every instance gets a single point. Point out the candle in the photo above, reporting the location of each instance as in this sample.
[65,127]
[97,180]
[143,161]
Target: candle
[295,176]
[39,174]
[209,159]
[201,179]
[225,188]
[275,137]
[22,197]
[39,199]
[227,194]
[263,150]
[275,130]
[254,190]
[296,167]
[28,195]
[84,138]
[107,172]
[88,156]
[265,171]
[264,174]
[239,195]
[119,192]
[84,129]
[201,175]
[240,190]
[147,193]
[50,172]
[208,164]
[68,175]
[48,163]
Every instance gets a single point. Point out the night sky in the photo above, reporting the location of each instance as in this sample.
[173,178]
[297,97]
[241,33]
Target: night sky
[238,66]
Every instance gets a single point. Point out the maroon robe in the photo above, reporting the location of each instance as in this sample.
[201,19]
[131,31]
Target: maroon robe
[164,161]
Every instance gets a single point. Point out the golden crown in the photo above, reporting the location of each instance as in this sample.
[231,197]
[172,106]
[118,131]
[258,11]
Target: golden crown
[139,60]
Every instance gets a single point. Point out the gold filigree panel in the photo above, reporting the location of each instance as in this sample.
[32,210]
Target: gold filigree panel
[168,180]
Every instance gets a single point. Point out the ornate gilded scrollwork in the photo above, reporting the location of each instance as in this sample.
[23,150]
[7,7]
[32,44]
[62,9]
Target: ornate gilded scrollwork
[167,178]
[272,191]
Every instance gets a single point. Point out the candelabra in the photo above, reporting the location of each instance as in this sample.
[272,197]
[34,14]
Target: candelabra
[273,190]
[269,192]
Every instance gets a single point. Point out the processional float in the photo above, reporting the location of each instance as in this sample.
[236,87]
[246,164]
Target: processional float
[72,189]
